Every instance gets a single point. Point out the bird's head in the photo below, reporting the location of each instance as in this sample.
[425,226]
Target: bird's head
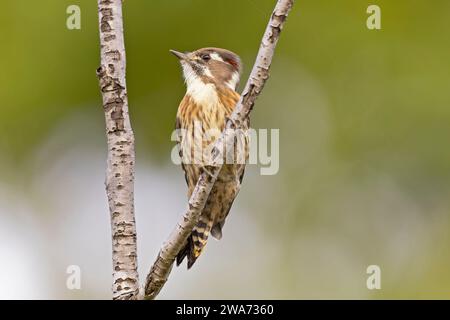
[217,66]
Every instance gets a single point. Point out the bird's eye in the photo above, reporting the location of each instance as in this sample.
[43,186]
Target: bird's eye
[206,57]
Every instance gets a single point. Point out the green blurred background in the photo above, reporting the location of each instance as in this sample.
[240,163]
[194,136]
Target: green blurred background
[364,159]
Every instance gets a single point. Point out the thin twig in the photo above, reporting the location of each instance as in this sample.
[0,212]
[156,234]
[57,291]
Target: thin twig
[161,268]
[120,138]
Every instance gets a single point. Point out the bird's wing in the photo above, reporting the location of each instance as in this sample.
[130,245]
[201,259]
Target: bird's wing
[179,146]
[184,142]
[227,187]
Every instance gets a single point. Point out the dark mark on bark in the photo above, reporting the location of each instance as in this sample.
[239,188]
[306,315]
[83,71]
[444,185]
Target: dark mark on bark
[109,37]
[114,54]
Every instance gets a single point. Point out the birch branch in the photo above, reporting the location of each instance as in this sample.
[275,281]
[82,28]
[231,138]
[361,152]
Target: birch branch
[161,268]
[120,163]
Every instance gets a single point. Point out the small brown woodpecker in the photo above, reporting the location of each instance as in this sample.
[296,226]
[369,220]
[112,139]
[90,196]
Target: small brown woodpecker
[212,76]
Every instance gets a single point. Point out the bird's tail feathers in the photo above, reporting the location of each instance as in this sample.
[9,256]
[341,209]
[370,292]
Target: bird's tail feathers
[195,244]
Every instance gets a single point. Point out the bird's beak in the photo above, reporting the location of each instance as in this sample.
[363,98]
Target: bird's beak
[179,55]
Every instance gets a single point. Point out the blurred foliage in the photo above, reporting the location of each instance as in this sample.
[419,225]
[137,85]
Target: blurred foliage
[387,90]
[359,111]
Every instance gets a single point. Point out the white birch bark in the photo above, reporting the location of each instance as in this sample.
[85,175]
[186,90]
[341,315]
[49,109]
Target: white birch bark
[120,139]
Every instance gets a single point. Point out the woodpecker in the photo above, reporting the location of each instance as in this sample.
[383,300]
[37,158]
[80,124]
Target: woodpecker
[211,76]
